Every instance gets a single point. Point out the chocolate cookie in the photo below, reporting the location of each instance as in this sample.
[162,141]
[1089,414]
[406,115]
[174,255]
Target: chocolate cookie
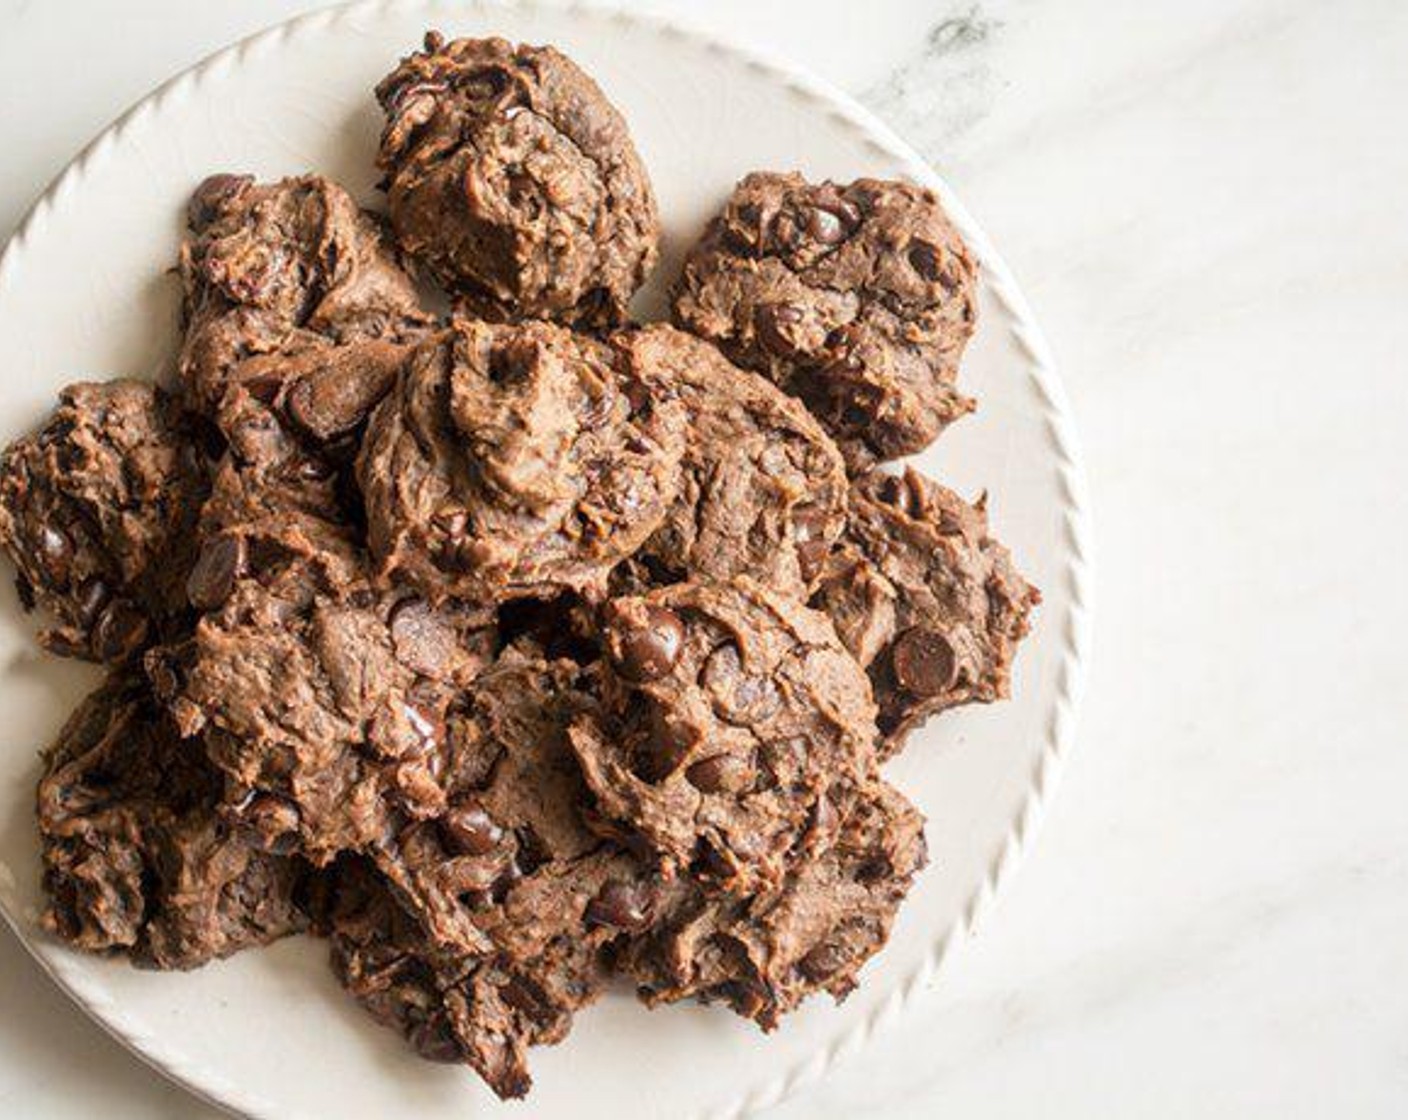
[514,182]
[926,598]
[321,698]
[736,721]
[859,299]
[514,900]
[481,1009]
[517,460]
[280,277]
[763,489]
[268,475]
[509,864]
[98,510]
[135,858]
[763,954]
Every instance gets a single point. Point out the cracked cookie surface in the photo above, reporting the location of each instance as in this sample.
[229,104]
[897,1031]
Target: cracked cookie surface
[764,953]
[926,598]
[280,280]
[762,488]
[98,512]
[135,857]
[734,722]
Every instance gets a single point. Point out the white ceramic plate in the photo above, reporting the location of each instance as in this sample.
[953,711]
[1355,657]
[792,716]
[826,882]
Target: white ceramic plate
[85,292]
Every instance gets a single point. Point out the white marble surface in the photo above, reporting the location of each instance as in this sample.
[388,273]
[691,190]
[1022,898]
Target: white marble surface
[1204,202]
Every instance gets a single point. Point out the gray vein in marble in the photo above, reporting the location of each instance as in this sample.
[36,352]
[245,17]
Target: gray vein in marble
[948,87]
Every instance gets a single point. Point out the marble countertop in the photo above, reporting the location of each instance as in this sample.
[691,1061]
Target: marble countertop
[1204,203]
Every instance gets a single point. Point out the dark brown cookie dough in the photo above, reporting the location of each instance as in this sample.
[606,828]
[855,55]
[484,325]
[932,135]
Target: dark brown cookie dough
[763,489]
[926,598]
[764,953]
[280,279]
[135,858]
[98,511]
[510,862]
[321,698]
[481,1009]
[517,460]
[514,899]
[514,182]
[736,721]
[859,299]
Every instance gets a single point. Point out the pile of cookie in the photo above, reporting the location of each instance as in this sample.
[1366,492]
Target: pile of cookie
[528,646]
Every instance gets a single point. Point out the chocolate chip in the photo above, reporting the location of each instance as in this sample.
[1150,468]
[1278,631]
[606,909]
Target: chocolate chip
[873,870]
[421,638]
[426,721]
[925,662]
[469,831]
[666,743]
[524,997]
[623,906]
[92,598]
[773,321]
[821,962]
[120,630]
[55,552]
[924,259]
[832,222]
[720,772]
[809,525]
[648,651]
[221,562]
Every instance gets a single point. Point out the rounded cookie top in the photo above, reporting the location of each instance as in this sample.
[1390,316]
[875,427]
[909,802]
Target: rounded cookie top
[924,596]
[858,298]
[734,722]
[511,460]
[762,487]
[515,183]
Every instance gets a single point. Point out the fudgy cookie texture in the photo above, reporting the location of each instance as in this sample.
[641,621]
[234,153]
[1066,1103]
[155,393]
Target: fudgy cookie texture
[763,953]
[135,858]
[98,511]
[514,901]
[514,183]
[858,298]
[529,647]
[736,723]
[926,598]
[279,279]
[510,865]
[481,1009]
[321,698]
[517,460]
[762,488]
